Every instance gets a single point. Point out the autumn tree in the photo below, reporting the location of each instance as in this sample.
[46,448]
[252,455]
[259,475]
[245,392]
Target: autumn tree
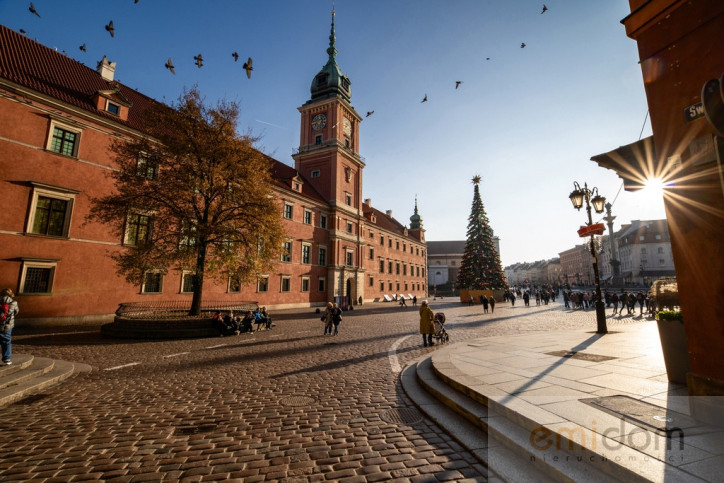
[192,194]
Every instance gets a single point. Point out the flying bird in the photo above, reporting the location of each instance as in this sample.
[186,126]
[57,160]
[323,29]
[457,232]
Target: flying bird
[199,60]
[82,47]
[169,66]
[369,113]
[424,99]
[522,45]
[487,58]
[235,55]
[32,9]
[457,84]
[135,1]
[109,27]
[22,31]
[248,68]
[544,9]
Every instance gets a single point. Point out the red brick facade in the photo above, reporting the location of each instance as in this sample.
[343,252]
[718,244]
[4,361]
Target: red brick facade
[57,121]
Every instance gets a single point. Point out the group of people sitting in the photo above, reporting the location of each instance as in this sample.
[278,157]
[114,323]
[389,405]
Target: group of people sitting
[231,324]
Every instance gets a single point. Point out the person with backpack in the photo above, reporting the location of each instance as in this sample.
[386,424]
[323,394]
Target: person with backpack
[8,311]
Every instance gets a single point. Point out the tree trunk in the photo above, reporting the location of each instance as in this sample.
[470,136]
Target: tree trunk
[198,279]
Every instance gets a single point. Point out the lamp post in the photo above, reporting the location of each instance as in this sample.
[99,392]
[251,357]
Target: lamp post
[591,197]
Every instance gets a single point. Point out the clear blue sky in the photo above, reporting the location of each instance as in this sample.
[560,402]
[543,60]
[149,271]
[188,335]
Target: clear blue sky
[528,120]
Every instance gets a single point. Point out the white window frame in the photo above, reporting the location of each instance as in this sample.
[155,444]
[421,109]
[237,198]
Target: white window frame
[50,192]
[265,280]
[126,241]
[52,265]
[321,284]
[184,274]
[110,103]
[160,283]
[349,258]
[323,221]
[289,254]
[307,217]
[290,206]
[308,246]
[304,281]
[66,127]
[229,288]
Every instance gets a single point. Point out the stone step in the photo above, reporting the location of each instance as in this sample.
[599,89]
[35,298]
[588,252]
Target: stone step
[30,375]
[463,420]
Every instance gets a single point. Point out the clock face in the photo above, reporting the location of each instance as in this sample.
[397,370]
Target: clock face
[319,121]
[347,127]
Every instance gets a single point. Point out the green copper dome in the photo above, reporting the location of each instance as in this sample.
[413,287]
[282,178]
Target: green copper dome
[416,219]
[330,82]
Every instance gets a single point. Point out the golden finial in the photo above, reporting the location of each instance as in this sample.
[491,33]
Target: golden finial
[476,179]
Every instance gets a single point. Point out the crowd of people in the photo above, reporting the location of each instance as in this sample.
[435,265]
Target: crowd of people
[230,324]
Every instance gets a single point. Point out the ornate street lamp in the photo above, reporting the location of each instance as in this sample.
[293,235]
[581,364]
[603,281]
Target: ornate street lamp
[591,197]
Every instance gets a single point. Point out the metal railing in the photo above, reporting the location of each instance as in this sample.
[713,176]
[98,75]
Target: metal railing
[169,309]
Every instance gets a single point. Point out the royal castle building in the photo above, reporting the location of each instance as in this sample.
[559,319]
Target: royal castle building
[57,120]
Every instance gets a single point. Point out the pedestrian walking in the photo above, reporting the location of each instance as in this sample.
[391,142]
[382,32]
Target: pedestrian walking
[336,318]
[8,310]
[484,301]
[327,318]
[427,327]
[491,301]
[414,300]
[471,301]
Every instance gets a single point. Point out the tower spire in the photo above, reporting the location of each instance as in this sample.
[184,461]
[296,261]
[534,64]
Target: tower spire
[332,50]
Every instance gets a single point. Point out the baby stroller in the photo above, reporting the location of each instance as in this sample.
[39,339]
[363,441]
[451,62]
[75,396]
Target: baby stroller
[440,333]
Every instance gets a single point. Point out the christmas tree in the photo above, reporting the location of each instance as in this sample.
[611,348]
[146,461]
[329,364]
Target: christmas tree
[480,268]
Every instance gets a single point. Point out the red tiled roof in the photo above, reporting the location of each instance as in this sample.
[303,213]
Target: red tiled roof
[383,221]
[282,173]
[42,69]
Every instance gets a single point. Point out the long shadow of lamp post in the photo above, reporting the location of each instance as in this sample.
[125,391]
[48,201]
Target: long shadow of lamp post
[591,197]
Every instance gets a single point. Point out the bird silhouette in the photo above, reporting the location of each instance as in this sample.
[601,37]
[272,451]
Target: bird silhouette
[110,29]
[522,45]
[544,9]
[169,66]
[32,9]
[22,31]
[487,58]
[424,99]
[248,68]
[457,84]
[82,47]
[369,113]
[135,1]
[199,60]
[235,55]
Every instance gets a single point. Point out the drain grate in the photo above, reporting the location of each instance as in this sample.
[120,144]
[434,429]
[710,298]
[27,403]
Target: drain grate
[297,401]
[405,416]
[581,356]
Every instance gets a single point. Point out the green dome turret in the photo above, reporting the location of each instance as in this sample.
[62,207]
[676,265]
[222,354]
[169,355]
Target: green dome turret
[330,82]
[416,219]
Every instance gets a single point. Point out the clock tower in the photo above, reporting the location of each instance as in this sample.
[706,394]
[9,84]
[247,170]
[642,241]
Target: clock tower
[328,159]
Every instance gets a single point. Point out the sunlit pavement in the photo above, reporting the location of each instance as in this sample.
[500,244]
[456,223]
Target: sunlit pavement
[287,404]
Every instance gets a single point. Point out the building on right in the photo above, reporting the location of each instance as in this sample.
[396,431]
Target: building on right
[682,64]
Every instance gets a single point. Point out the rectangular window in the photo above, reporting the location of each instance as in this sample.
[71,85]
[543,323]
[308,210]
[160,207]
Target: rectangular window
[234,285]
[389,286]
[318,139]
[37,277]
[307,217]
[397,268]
[382,240]
[349,227]
[349,259]
[348,199]
[382,286]
[404,270]
[50,210]
[305,284]
[316,173]
[50,216]
[152,282]
[662,261]
[397,244]
[287,251]
[64,141]
[305,254]
[145,168]
[382,266]
[323,221]
[372,281]
[404,247]
[262,284]
[138,230]
[321,285]
[288,211]
[372,253]
[389,267]
[113,108]
[661,250]
[389,242]
[187,283]
[322,256]
[286,284]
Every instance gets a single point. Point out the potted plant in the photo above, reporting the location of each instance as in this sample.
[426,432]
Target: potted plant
[673,344]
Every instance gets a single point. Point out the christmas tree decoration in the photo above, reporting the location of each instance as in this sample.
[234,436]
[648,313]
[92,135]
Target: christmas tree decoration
[480,268]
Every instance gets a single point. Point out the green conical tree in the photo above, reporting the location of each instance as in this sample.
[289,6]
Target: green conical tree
[480,268]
